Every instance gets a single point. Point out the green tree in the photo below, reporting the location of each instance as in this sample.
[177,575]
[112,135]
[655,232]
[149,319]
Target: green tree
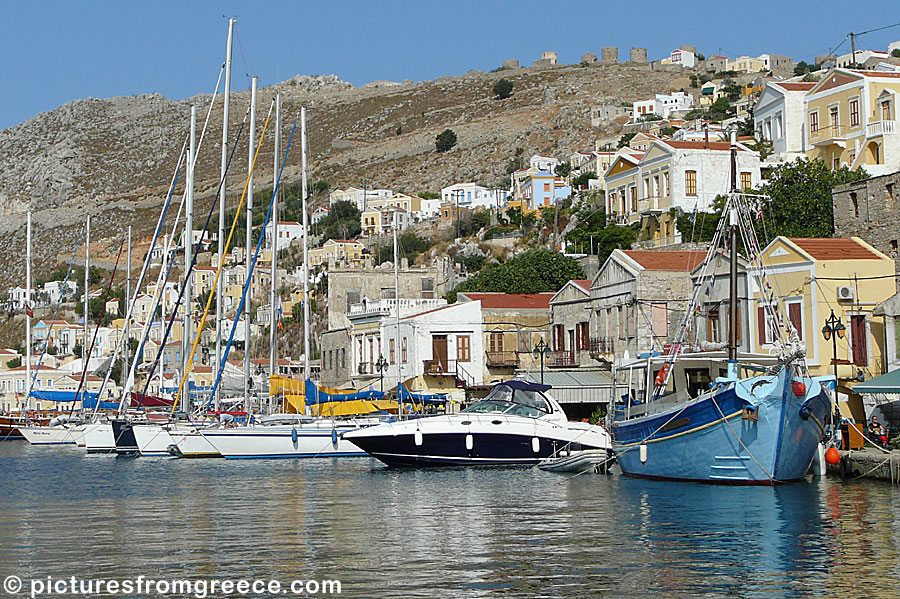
[342,222]
[895,53]
[321,186]
[563,169]
[503,89]
[625,139]
[581,181]
[536,271]
[445,140]
[430,195]
[409,246]
[14,363]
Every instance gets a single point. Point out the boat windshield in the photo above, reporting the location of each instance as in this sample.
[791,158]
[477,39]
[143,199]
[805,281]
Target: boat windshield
[503,400]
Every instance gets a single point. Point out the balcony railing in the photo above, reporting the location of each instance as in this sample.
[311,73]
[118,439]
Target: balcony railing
[558,359]
[502,358]
[438,367]
[601,345]
[881,128]
[365,368]
[388,306]
[829,133]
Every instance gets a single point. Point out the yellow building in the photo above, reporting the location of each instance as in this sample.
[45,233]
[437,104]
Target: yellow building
[812,277]
[403,201]
[747,64]
[851,120]
[341,251]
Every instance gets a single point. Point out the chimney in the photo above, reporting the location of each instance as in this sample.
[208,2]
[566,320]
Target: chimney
[706,135]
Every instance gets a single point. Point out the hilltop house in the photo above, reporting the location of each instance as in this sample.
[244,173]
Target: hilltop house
[778,117]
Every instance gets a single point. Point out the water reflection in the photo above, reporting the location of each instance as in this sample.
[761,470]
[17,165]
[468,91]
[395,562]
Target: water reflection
[460,533]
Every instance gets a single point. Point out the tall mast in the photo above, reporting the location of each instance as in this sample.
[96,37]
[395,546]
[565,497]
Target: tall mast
[272,292]
[28,312]
[220,285]
[162,307]
[127,302]
[306,373]
[247,312]
[188,254]
[733,270]
[398,352]
[87,298]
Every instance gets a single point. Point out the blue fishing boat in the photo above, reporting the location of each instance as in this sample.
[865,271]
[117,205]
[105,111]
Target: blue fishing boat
[718,417]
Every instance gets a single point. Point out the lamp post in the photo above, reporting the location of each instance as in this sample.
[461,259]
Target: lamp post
[381,365]
[540,350]
[833,329]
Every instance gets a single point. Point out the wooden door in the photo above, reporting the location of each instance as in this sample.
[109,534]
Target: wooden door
[439,350]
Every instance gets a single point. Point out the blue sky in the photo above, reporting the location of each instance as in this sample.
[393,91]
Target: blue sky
[55,51]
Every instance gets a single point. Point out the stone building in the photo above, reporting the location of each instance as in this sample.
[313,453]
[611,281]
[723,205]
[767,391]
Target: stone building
[511,63]
[351,285]
[334,354]
[869,209]
[609,55]
[638,299]
[588,58]
[570,314]
[638,55]
[548,59]
[513,323]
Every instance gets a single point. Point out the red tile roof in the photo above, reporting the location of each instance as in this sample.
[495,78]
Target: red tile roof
[699,145]
[826,248]
[583,283]
[666,259]
[796,86]
[876,74]
[344,241]
[521,301]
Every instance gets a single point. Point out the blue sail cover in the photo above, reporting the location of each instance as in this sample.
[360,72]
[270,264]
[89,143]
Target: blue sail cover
[407,396]
[60,396]
[314,395]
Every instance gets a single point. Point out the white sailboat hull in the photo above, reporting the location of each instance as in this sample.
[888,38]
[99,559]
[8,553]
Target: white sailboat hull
[156,440]
[98,438]
[194,445]
[47,435]
[320,439]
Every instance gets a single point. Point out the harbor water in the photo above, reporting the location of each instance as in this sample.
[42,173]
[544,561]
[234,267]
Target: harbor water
[440,533]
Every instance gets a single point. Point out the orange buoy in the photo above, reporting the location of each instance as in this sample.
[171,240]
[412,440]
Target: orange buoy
[799,388]
[832,456]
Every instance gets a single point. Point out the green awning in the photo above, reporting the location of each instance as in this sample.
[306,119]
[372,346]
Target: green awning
[886,383]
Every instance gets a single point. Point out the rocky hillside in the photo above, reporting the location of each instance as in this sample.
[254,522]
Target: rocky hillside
[114,158]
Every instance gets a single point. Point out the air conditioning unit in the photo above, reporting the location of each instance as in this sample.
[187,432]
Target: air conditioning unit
[845,293]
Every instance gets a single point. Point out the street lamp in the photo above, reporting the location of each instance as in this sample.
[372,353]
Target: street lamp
[381,365]
[832,330]
[540,350]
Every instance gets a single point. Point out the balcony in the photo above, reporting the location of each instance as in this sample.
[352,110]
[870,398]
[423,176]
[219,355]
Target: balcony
[652,205]
[384,307]
[438,368]
[497,359]
[561,359]
[830,134]
[601,345]
[365,368]
[879,128]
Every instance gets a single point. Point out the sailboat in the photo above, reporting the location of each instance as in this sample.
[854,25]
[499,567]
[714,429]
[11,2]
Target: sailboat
[721,417]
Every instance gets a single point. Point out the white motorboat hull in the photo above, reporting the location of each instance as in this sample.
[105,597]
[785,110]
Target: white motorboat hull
[48,435]
[577,461]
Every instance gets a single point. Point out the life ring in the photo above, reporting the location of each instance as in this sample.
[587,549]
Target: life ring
[661,375]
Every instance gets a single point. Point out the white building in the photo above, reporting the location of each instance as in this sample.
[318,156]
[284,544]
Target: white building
[543,163]
[663,105]
[448,339]
[359,197]
[473,196]
[779,117]
[861,57]
[318,214]
[288,231]
[430,208]
[684,58]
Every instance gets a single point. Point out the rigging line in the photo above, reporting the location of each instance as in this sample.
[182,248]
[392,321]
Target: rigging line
[160,225]
[190,361]
[197,251]
[243,58]
[55,313]
[159,297]
[86,360]
[240,308]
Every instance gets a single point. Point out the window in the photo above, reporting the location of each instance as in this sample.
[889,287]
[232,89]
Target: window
[659,319]
[463,348]
[764,326]
[428,288]
[854,112]
[858,340]
[889,192]
[352,297]
[403,352]
[712,325]
[343,358]
[833,117]
[746,181]
[795,316]
[665,183]
[391,348]
[855,202]
[496,342]
[546,187]
[620,324]
[634,205]
[559,337]
[814,121]
[690,183]
[581,336]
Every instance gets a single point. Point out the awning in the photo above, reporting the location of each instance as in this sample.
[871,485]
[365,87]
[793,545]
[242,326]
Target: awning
[886,383]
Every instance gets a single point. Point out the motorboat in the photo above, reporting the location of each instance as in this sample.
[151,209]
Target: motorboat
[578,461]
[518,423]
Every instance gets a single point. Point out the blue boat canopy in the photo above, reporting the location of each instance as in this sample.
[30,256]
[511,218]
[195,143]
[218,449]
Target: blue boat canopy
[407,396]
[521,385]
[314,395]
